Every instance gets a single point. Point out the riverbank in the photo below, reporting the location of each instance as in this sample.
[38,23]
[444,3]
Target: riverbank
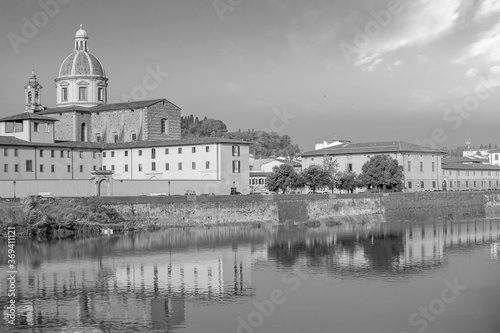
[70,216]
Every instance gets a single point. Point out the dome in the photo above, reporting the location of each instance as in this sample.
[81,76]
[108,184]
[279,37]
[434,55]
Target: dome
[81,33]
[81,63]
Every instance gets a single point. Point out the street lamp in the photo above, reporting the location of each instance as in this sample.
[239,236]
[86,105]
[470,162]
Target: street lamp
[169,188]
[14,189]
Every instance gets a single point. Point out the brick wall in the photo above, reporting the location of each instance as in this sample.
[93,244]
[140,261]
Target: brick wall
[155,114]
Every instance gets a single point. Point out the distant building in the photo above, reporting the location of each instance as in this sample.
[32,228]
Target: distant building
[84,138]
[421,164]
[469,176]
[260,169]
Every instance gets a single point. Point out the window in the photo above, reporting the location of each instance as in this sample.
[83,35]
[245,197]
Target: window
[193,150]
[47,128]
[104,168]
[64,94]
[41,152]
[433,184]
[140,152]
[112,154]
[167,166]
[94,168]
[52,153]
[52,168]
[81,168]
[421,166]
[409,166]
[166,151]
[458,184]
[409,185]
[113,167]
[140,167]
[134,136]
[5,168]
[115,137]
[126,167]
[422,184]
[153,166]
[466,184]
[69,168]
[474,183]
[100,94]
[16,167]
[207,149]
[82,93]
[153,153]
[29,165]
[179,166]
[104,154]
[261,181]
[496,157]
[164,126]
[489,183]
[236,150]
[6,152]
[179,150]
[126,153]
[236,166]
[451,184]
[36,127]
[93,155]
[349,167]
[433,166]
[15,152]
[193,165]
[207,165]
[81,154]
[41,167]
[98,137]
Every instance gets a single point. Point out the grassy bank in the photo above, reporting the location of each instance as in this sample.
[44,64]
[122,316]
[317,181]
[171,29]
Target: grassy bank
[43,217]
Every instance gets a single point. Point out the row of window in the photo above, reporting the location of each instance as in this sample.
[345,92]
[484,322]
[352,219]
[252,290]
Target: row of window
[433,166]
[236,165]
[153,152]
[6,153]
[468,173]
[29,167]
[421,184]
[260,181]
[82,94]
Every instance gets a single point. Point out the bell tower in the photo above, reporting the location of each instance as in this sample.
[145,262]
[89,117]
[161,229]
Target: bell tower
[33,95]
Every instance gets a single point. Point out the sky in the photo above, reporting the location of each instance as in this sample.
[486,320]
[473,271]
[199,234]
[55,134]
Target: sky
[422,71]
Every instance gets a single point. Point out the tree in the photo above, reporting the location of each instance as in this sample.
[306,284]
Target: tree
[348,181]
[283,178]
[316,177]
[381,172]
[331,166]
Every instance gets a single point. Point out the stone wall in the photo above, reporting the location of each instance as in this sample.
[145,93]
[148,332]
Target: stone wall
[155,113]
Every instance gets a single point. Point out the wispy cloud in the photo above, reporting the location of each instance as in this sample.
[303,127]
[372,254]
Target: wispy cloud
[487,8]
[487,47]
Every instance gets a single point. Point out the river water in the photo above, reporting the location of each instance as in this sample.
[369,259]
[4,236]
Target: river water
[388,278]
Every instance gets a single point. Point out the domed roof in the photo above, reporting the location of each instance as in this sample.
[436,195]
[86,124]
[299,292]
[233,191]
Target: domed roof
[81,63]
[81,33]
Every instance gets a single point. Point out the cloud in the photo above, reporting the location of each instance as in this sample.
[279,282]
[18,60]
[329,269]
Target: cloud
[233,86]
[486,9]
[419,23]
[487,47]
[398,63]
[471,73]
[373,65]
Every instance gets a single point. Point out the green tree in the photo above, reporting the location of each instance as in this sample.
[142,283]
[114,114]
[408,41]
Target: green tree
[347,181]
[282,179]
[315,177]
[381,172]
[331,166]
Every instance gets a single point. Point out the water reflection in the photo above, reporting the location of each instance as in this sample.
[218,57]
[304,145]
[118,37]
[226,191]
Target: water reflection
[146,281]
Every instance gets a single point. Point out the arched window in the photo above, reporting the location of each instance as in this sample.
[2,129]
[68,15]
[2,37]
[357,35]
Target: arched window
[164,126]
[83,133]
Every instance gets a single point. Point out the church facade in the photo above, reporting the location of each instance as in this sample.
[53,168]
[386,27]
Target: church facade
[85,138]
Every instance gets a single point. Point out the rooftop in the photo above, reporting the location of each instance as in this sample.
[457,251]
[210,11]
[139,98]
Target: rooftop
[107,107]
[474,166]
[373,148]
[27,115]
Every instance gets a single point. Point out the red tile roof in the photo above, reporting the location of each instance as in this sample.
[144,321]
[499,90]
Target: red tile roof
[373,148]
[27,115]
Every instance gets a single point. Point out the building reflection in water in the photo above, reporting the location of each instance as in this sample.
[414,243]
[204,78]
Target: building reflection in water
[145,281]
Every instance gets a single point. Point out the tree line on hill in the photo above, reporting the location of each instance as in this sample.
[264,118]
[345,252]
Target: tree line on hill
[381,172]
[458,151]
[264,144]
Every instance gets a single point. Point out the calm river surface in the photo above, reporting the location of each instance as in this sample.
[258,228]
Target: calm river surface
[442,277]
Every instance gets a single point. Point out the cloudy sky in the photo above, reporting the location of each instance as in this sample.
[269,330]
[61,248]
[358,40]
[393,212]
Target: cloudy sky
[424,71]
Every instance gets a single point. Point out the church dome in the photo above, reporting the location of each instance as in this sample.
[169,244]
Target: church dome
[81,33]
[81,63]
